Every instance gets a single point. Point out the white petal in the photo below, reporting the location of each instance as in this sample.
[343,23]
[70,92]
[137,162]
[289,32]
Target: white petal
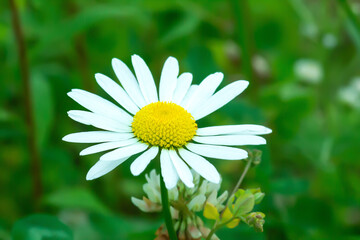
[128,81]
[103,167]
[145,79]
[116,92]
[231,140]
[200,165]
[107,146]
[168,171]
[189,95]
[182,86]
[100,105]
[96,137]
[220,98]
[205,90]
[140,163]
[220,152]
[124,152]
[89,118]
[168,79]
[244,129]
[182,169]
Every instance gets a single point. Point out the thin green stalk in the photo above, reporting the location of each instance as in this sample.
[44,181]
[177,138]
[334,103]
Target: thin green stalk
[29,118]
[353,19]
[246,169]
[166,209]
[345,6]
[212,232]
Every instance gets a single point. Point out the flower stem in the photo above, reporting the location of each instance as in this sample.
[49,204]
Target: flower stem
[166,209]
[29,116]
[246,169]
[352,17]
[211,233]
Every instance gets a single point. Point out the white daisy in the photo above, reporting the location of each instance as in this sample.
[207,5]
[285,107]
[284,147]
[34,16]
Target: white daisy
[150,123]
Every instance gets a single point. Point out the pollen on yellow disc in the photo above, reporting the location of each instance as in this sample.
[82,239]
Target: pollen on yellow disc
[164,124]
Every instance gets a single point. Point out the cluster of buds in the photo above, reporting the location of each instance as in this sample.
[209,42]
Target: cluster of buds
[238,209]
[184,204]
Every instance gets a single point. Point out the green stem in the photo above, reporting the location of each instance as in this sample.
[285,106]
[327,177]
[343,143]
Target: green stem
[166,209]
[211,233]
[35,161]
[246,169]
[345,6]
[353,18]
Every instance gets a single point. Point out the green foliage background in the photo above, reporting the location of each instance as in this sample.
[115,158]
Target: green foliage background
[310,169]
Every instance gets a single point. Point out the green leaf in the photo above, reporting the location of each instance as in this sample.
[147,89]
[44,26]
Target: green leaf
[77,198]
[43,107]
[41,227]
[259,197]
[244,204]
[233,223]
[183,28]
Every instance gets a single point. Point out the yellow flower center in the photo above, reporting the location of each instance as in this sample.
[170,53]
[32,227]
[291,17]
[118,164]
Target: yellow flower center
[164,124]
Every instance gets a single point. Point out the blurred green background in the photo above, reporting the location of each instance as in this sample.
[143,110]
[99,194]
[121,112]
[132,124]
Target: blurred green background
[303,63]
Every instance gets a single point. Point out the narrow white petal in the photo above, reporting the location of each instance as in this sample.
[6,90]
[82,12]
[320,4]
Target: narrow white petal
[128,81]
[168,171]
[140,163]
[244,129]
[89,118]
[220,98]
[182,86]
[200,165]
[205,90]
[124,152]
[145,79]
[103,167]
[107,146]
[168,79]
[220,152]
[182,169]
[96,137]
[116,92]
[231,140]
[189,95]
[100,105]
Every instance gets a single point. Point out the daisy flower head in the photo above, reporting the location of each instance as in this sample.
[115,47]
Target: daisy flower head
[149,122]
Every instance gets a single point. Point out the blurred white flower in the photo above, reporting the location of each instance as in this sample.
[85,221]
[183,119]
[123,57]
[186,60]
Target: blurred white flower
[151,123]
[351,94]
[261,65]
[308,70]
[309,30]
[329,40]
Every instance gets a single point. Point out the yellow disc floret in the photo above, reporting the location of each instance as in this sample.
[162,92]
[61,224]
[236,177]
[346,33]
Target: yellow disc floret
[164,124]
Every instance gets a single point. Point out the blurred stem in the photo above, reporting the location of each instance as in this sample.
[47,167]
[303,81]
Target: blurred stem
[82,59]
[166,209]
[81,51]
[345,6]
[243,27]
[246,169]
[353,19]
[212,232]
[29,118]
